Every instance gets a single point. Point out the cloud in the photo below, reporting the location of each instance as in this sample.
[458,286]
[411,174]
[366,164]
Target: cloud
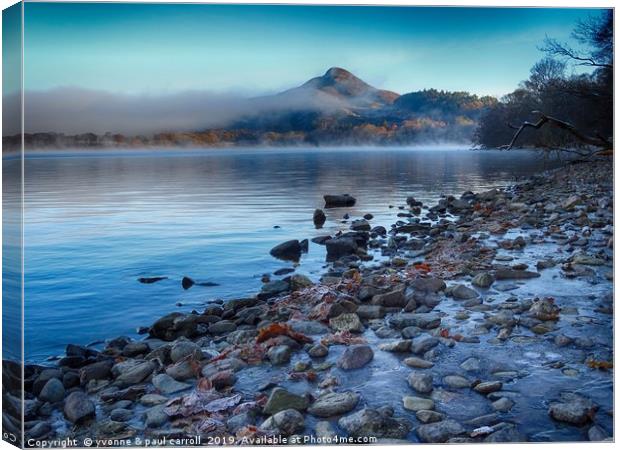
[73,110]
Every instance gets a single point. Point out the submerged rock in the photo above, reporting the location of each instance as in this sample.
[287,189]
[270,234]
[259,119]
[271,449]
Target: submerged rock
[334,403]
[439,432]
[373,423]
[288,251]
[319,218]
[573,408]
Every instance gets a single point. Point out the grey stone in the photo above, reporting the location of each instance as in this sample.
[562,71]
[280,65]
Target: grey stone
[281,399]
[422,382]
[439,432]
[53,391]
[167,385]
[78,407]
[355,356]
[286,423]
[334,403]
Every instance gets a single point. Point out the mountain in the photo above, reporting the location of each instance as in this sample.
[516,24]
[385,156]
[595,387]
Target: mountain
[339,86]
[336,108]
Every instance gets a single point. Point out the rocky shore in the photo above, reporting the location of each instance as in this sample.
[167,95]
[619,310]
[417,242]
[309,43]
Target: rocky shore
[484,318]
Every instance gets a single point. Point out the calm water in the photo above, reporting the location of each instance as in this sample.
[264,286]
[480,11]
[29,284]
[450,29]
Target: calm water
[94,223]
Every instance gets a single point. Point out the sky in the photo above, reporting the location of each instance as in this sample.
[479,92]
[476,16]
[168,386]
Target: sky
[155,49]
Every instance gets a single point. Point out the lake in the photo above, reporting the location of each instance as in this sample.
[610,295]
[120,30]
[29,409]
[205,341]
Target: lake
[97,221]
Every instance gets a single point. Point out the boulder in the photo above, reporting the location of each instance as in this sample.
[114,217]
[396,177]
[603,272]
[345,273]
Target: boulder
[439,432]
[288,251]
[374,423]
[53,391]
[285,423]
[573,408]
[347,322]
[319,218]
[421,382]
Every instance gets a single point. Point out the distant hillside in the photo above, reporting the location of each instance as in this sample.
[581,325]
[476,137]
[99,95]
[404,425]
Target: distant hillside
[336,108]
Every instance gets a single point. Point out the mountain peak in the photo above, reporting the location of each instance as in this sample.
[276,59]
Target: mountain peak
[338,72]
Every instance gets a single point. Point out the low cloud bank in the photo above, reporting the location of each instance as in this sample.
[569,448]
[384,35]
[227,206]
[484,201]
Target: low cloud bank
[76,110]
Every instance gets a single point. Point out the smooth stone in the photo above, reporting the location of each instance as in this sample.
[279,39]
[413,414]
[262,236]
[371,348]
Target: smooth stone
[486,387]
[399,346]
[418,363]
[78,407]
[156,416]
[281,399]
[422,382]
[182,349]
[483,280]
[167,385]
[439,432]
[286,423]
[347,322]
[279,354]
[374,423]
[355,357]
[504,404]
[573,408]
[53,391]
[334,403]
[456,381]
[413,403]
[120,415]
[429,416]
[318,351]
[422,344]
[462,292]
[152,399]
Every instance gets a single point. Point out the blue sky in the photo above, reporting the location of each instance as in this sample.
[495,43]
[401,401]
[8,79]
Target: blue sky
[156,49]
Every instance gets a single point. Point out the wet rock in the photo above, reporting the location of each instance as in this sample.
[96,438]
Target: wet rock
[335,201]
[319,218]
[587,260]
[96,371]
[372,423]
[439,432]
[421,382]
[134,374]
[153,399]
[223,326]
[545,309]
[428,284]
[395,298]
[400,346]
[287,251]
[418,363]
[429,416]
[413,403]
[182,370]
[508,432]
[273,288]
[298,282]
[155,417]
[308,327]
[360,225]
[78,407]
[318,351]
[369,312]
[121,415]
[285,423]
[421,320]
[511,274]
[462,292]
[456,381]
[223,379]
[334,403]
[173,326]
[134,349]
[53,391]
[503,404]
[167,385]
[355,357]
[483,280]
[486,387]
[340,246]
[422,344]
[573,408]
[42,379]
[596,433]
[347,322]
[279,354]
[182,349]
[280,399]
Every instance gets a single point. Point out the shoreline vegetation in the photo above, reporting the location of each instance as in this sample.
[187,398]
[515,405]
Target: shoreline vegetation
[459,281]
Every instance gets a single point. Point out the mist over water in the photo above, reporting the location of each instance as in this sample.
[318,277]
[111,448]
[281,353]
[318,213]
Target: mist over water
[97,221]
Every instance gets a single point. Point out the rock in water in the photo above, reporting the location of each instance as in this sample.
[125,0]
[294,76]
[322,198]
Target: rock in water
[319,218]
[347,322]
[438,432]
[78,407]
[187,282]
[421,382]
[483,280]
[281,399]
[288,251]
[573,408]
[355,356]
[334,403]
[286,423]
[334,201]
[341,246]
[373,423]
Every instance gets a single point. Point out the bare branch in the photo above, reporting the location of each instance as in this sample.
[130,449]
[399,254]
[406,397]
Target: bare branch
[596,141]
